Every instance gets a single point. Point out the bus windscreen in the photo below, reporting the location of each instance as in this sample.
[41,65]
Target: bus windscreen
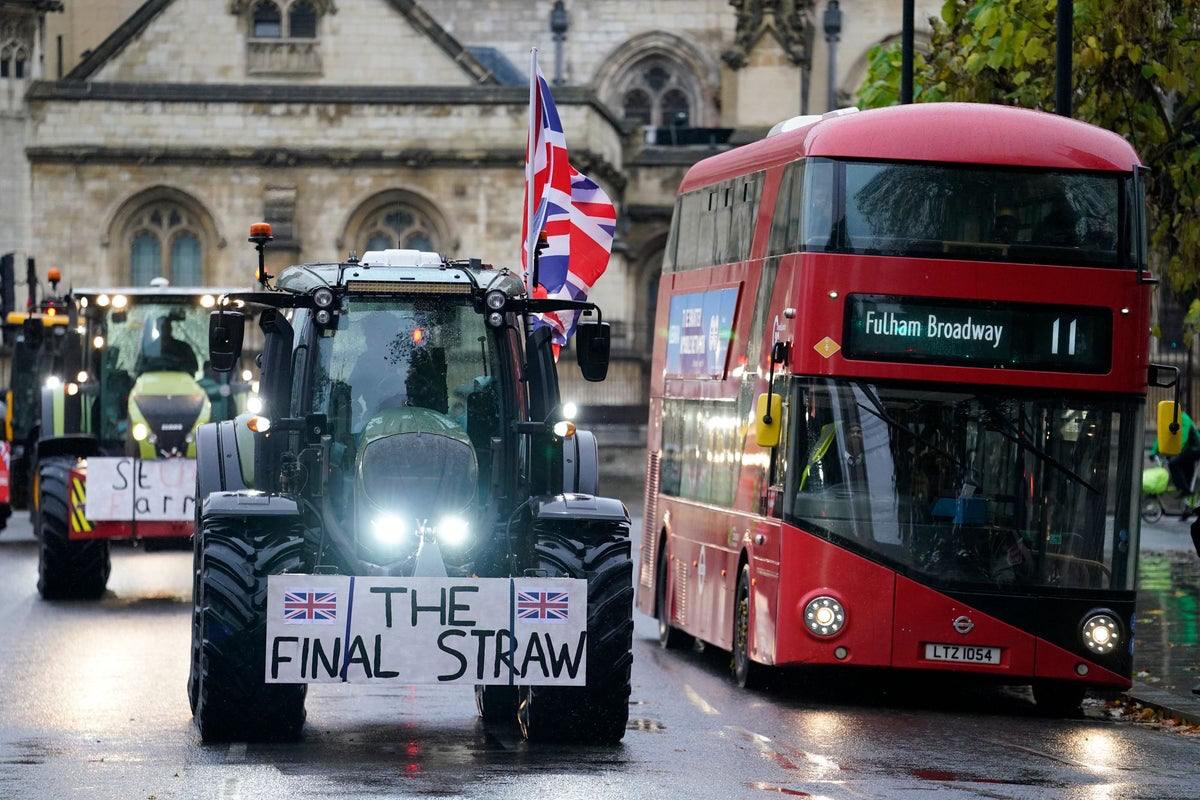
[967,212]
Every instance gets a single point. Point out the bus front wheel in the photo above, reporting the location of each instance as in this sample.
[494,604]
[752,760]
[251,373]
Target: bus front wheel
[747,673]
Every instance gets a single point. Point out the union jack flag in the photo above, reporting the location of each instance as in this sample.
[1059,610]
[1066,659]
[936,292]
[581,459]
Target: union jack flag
[549,606]
[572,210]
[309,607]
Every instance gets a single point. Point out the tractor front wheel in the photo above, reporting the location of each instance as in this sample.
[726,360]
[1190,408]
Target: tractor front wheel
[231,699]
[598,712]
[67,569]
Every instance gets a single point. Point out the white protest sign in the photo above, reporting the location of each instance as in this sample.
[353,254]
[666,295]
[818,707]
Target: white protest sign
[126,489]
[496,631]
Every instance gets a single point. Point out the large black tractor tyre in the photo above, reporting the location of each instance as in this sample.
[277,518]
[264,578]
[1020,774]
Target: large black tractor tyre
[497,704]
[598,712]
[67,570]
[230,698]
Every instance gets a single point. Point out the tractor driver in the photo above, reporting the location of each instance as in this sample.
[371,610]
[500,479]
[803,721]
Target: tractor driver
[176,353]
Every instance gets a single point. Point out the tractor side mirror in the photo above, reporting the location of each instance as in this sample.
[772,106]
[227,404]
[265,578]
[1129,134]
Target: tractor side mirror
[225,332]
[592,342]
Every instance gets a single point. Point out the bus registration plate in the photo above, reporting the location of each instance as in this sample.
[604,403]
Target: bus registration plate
[963,654]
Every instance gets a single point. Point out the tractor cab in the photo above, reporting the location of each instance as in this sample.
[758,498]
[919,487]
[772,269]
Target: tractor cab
[411,442]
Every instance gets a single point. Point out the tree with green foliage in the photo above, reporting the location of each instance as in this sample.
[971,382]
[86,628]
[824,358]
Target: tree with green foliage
[1136,72]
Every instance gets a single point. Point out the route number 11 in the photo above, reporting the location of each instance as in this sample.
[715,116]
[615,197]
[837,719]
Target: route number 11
[1054,337]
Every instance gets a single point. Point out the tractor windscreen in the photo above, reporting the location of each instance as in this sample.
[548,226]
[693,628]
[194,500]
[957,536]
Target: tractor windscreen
[161,348]
[411,392]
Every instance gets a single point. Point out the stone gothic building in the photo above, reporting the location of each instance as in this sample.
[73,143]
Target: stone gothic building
[141,139]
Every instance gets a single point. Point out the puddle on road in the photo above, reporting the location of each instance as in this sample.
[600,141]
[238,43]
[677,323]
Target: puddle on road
[1167,625]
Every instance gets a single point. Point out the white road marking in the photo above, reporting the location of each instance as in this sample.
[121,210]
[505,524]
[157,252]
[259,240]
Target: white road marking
[698,701]
[230,789]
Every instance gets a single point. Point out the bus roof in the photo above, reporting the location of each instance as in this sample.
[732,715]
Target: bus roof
[966,133]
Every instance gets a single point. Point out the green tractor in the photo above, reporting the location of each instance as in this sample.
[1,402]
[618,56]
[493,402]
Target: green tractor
[411,506]
[116,451]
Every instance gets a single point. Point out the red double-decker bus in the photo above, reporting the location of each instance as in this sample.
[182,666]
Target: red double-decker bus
[896,413]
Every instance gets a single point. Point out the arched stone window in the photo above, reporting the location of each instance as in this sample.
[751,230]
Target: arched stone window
[398,225]
[267,21]
[302,20]
[660,92]
[286,19]
[14,61]
[163,235]
[396,219]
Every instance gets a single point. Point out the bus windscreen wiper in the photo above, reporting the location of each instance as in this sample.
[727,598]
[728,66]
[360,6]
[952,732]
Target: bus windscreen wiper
[880,412]
[1014,433]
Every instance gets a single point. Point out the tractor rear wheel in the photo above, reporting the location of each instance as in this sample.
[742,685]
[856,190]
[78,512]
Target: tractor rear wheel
[598,712]
[67,569]
[232,701]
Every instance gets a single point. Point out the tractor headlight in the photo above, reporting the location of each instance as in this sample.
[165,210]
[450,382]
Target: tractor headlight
[254,404]
[569,410]
[389,529]
[824,616]
[1101,633]
[140,431]
[564,429]
[496,300]
[323,298]
[495,319]
[453,531]
[53,381]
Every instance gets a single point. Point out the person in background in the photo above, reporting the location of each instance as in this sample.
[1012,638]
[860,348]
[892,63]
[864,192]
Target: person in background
[1183,466]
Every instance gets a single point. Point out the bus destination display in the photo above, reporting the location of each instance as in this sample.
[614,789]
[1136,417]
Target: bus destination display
[978,334]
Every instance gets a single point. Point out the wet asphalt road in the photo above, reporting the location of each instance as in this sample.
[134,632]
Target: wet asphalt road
[93,705]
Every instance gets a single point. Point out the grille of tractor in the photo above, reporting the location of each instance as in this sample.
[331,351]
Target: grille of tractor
[406,287]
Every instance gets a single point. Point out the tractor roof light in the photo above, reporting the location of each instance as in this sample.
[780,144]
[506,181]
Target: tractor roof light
[102,301]
[208,301]
[119,301]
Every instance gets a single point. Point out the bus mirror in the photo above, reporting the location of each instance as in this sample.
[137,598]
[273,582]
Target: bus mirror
[225,332]
[1162,376]
[1170,429]
[767,427]
[591,349]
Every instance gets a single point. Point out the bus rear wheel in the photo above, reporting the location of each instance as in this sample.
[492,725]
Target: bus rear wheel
[669,637]
[747,673]
[1058,699]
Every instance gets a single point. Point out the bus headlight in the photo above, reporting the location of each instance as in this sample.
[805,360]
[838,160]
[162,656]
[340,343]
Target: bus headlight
[1101,633]
[453,531]
[824,616]
[389,529]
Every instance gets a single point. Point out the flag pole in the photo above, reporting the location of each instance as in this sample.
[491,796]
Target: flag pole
[531,142]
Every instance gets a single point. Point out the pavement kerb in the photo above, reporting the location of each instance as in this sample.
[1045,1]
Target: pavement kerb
[1172,705]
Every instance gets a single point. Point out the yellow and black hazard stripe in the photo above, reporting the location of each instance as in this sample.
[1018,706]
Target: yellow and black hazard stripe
[79,520]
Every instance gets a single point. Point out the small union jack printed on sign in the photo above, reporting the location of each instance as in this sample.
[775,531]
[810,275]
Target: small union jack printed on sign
[542,606]
[309,607]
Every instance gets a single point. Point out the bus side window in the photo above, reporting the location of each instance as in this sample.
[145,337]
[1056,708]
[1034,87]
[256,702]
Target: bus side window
[691,208]
[669,261]
[723,253]
[779,243]
[819,202]
[747,192]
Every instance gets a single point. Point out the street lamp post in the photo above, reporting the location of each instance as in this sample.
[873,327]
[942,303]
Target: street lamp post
[833,30]
[559,23]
